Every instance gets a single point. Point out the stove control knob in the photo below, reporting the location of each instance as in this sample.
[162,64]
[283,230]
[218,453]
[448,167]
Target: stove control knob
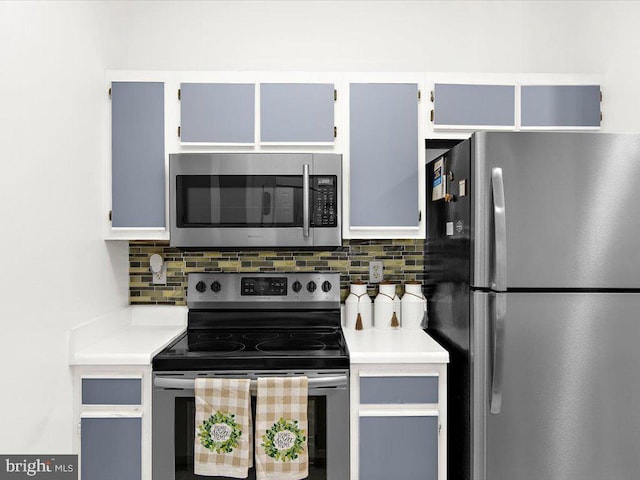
[201,286]
[297,286]
[326,286]
[311,287]
[215,286]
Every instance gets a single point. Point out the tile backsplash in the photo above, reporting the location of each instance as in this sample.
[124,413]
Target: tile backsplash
[402,260]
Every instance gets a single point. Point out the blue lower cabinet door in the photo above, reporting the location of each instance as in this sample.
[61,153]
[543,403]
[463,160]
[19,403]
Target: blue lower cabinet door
[398,448]
[111,448]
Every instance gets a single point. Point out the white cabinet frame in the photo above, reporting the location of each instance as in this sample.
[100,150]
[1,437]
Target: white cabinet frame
[515,79]
[142,411]
[358,410]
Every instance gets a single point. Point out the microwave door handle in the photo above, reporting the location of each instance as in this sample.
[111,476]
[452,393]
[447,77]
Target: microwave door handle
[305,200]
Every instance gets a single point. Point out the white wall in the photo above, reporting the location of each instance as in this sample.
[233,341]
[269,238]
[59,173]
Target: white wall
[58,272]
[443,36]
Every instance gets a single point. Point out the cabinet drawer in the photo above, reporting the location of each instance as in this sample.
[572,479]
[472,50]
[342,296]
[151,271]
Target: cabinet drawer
[111,391]
[399,390]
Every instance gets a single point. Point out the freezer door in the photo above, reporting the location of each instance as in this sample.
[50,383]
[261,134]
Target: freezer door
[570,387]
[570,206]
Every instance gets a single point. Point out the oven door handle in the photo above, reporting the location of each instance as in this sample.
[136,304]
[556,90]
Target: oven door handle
[189,384]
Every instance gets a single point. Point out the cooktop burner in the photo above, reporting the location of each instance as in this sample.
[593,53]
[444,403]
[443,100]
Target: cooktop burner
[259,335]
[215,347]
[290,346]
[213,336]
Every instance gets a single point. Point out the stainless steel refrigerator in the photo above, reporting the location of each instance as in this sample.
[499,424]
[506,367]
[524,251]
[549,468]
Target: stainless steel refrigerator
[532,270]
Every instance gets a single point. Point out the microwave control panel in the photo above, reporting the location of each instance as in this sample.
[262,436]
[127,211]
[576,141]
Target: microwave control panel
[324,201]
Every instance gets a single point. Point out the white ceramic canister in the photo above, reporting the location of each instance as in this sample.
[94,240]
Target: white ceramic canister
[414,306]
[386,315]
[358,303]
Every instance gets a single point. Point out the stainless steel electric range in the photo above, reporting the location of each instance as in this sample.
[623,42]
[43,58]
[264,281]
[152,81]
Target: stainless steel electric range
[249,326]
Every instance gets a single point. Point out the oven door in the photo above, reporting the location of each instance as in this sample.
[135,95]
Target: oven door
[254,200]
[174,424]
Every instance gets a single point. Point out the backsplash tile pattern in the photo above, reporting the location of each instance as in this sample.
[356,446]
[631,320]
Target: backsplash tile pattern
[402,260]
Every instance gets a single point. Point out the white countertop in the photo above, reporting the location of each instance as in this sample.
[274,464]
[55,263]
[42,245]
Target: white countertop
[393,346]
[131,336]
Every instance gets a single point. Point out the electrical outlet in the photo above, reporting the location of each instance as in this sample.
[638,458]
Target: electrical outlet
[160,278]
[375,271]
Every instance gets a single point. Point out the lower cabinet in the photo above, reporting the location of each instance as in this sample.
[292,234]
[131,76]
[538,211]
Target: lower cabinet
[113,413]
[398,422]
[111,448]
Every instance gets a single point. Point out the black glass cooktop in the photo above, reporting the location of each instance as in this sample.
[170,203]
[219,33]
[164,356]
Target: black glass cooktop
[234,349]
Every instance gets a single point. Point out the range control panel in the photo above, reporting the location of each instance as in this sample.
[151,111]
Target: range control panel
[263,286]
[210,290]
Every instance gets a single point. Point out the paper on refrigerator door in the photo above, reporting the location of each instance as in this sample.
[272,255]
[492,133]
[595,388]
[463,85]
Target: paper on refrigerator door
[438,181]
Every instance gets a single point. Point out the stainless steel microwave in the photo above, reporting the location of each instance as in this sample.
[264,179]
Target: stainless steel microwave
[256,200]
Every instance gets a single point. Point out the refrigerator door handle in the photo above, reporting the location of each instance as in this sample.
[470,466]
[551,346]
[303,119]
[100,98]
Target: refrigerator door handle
[498,325]
[500,223]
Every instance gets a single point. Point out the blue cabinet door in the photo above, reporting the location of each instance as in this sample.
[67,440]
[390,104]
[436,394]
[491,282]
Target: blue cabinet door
[111,448]
[296,112]
[465,105]
[383,126]
[398,448]
[217,113]
[562,106]
[137,155]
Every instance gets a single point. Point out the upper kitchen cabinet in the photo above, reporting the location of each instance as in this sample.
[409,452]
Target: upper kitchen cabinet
[217,113]
[560,107]
[473,106]
[384,160]
[137,159]
[297,113]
